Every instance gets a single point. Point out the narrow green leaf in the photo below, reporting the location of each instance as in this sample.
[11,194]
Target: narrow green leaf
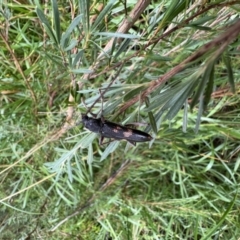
[199,27]
[114,89]
[122,48]
[132,93]
[202,20]
[81,70]
[90,155]
[178,100]
[227,61]
[199,116]
[171,97]
[84,9]
[110,108]
[55,59]
[72,44]
[185,116]
[157,57]
[69,171]
[66,36]
[61,194]
[151,118]
[77,57]
[174,8]
[87,140]
[111,54]
[117,35]
[102,14]
[110,148]
[209,89]
[209,65]
[56,17]
[164,97]
[46,25]
[152,122]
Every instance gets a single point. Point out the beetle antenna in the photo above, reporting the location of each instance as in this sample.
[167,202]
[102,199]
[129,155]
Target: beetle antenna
[88,109]
[106,89]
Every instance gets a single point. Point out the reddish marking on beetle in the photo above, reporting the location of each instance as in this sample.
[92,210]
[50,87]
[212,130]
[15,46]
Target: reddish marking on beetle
[128,133]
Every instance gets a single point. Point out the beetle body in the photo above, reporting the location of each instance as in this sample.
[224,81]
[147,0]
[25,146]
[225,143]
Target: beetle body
[92,124]
[116,131]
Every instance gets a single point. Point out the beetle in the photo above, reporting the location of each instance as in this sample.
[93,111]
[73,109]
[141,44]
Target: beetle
[107,129]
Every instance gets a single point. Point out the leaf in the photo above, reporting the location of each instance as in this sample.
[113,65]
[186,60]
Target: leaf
[111,54]
[90,155]
[185,116]
[122,48]
[161,99]
[46,25]
[202,20]
[208,90]
[69,171]
[174,8]
[199,116]
[227,61]
[102,14]
[110,148]
[132,93]
[199,27]
[152,122]
[77,57]
[117,35]
[174,97]
[87,140]
[84,9]
[72,44]
[56,17]
[113,106]
[151,118]
[66,36]
[157,57]
[209,67]
[178,100]
[81,70]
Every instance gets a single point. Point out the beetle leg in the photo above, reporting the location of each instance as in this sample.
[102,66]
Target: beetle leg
[101,140]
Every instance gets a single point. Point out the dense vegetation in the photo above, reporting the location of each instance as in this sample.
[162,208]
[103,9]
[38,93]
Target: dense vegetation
[172,65]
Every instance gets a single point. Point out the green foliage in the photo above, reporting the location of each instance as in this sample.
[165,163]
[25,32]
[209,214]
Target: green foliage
[175,68]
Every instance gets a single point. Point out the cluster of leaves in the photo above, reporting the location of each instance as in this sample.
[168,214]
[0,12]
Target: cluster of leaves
[152,61]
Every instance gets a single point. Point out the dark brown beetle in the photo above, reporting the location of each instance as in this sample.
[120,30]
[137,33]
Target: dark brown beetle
[116,131]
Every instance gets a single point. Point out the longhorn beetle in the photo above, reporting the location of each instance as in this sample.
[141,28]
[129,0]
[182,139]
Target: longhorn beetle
[107,129]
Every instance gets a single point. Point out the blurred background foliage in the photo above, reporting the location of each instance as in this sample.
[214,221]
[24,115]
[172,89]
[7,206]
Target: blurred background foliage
[173,65]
